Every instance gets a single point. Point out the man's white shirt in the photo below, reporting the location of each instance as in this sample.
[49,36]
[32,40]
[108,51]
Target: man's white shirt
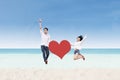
[45,38]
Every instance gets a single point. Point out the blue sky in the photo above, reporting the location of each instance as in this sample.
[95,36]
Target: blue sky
[99,19]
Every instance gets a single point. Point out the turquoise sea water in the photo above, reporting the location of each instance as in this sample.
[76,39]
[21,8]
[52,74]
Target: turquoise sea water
[95,58]
[38,51]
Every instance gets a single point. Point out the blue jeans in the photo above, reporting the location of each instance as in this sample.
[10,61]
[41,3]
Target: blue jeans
[45,51]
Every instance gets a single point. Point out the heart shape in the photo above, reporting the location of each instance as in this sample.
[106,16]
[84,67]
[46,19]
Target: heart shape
[60,49]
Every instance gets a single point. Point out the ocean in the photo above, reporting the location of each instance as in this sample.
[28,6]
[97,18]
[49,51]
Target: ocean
[38,51]
[95,58]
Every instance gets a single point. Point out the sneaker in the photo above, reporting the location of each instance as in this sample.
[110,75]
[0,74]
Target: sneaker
[83,58]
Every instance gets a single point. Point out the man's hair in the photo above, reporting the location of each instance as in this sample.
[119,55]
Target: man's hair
[45,28]
[81,37]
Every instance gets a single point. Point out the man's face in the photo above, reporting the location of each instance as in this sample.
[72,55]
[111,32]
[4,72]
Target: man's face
[45,31]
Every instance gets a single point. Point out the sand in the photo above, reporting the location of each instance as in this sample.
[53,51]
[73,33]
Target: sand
[59,74]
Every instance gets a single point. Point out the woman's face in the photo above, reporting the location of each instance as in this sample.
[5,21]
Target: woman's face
[78,39]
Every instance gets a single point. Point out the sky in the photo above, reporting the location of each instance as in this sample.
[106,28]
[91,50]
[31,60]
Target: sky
[67,19]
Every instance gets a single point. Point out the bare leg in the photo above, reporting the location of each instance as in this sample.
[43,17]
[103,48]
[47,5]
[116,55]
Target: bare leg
[80,56]
[75,56]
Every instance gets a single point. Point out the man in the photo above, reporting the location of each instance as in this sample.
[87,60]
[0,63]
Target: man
[45,39]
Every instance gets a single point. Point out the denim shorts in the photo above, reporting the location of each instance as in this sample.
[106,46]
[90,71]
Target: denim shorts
[77,51]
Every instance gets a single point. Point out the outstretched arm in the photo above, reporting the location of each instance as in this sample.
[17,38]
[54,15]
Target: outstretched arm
[84,38]
[40,23]
[71,44]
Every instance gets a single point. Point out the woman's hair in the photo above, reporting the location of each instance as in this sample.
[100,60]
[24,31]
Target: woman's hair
[81,37]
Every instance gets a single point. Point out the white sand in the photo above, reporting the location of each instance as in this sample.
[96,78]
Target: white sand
[59,74]
[32,67]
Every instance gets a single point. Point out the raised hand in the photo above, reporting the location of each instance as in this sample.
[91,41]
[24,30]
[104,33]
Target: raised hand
[85,36]
[40,20]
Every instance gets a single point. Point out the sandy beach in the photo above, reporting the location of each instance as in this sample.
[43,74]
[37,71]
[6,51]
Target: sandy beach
[32,67]
[59,74]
